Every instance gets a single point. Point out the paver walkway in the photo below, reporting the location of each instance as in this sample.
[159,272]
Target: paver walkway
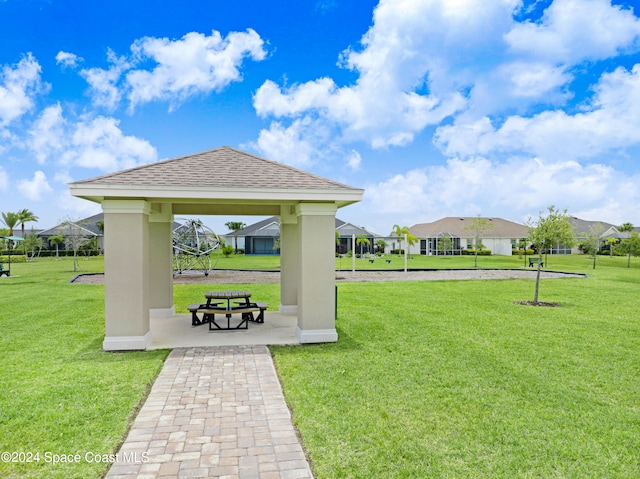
[214,412]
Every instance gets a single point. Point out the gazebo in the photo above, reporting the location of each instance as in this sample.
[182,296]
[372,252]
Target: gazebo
[139,205]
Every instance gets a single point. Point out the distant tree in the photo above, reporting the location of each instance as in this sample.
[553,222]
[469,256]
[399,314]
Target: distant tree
[56,240]
[631,246]
[11,220]
[547,231]
[625,228]
[400,231]
[445,243]
[380,245]
[479,226]
[75,237]
[593,241]
[32,245]
[25,216]
[235,226]
[362,240]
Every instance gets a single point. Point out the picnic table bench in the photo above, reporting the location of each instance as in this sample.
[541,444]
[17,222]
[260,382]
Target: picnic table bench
[533,261]
[4,271]
[245,308]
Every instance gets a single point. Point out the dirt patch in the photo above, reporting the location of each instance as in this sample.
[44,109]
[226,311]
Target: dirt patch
[253,277]
[537,303]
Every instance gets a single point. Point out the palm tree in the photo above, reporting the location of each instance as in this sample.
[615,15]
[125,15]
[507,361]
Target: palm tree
[235,226]
[11,220]
[362,240]
[400,231]
[24,216]
[57,240]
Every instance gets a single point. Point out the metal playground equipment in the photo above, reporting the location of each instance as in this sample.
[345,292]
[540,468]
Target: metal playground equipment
[193,246]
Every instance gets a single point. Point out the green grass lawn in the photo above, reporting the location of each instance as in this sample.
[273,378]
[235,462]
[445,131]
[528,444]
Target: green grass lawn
[60,393]
[452,379]
[429,379]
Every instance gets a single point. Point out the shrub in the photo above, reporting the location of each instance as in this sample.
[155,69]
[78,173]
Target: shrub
[472,252]
[227,250]
[15,258]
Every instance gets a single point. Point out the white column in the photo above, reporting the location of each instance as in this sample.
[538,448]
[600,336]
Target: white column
[288,261]
[161,262]
[126,267]
[316,290]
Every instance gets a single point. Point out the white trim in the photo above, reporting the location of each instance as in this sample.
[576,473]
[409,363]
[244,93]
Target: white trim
[316,335]
[289,309]
[160,194]
[160,313]
[126,343]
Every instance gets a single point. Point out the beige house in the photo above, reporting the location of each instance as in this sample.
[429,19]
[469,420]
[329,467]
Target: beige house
[139,205]
[500,240]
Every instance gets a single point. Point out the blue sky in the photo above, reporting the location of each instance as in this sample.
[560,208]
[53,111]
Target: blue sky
[435,107]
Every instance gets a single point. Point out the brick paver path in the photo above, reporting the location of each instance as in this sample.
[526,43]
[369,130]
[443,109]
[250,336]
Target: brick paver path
[214,412]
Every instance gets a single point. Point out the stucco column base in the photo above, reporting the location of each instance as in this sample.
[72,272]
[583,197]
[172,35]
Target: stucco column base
[306,336]
[161,313]
[126,343]
[289,309]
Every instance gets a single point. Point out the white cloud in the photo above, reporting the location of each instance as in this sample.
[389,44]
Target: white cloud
[96,143]
[47,134]
[4,179]
[35,188]
[354,160]
[414,62]
[609,122]
[286,144]
[195,64]
[104,88]
[575,30]
[513,189]
[68,60]
[72,207]
[99,143]
[18,86]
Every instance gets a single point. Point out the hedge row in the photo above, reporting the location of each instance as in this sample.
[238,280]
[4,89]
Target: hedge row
[472,252]
[52,253]
[15,258]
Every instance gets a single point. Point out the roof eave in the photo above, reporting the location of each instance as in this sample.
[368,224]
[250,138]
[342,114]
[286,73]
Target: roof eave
[97,193]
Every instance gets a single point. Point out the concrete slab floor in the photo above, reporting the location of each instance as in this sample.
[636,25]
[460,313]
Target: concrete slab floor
[177,332]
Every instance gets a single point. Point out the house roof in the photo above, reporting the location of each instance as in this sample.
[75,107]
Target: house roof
[271,227]
[456,226]
[267,227]
[89,224]
[583,227]
[219,181]
[349,229]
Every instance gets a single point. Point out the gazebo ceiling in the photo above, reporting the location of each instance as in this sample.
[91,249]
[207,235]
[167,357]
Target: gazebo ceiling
[219,181]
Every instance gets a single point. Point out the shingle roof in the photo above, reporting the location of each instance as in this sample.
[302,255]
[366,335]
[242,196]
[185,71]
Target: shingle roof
[583,227]
[456,226]
[266,228]
[223,167]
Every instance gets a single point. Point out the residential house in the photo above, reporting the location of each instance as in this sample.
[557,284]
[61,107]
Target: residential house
[91,227]
[263,237]
[582,228]
[452,235]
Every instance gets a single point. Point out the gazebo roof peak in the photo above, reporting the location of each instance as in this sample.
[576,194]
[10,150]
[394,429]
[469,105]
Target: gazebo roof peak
[222,167]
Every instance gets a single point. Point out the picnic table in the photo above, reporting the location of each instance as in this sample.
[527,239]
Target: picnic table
[241,305]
